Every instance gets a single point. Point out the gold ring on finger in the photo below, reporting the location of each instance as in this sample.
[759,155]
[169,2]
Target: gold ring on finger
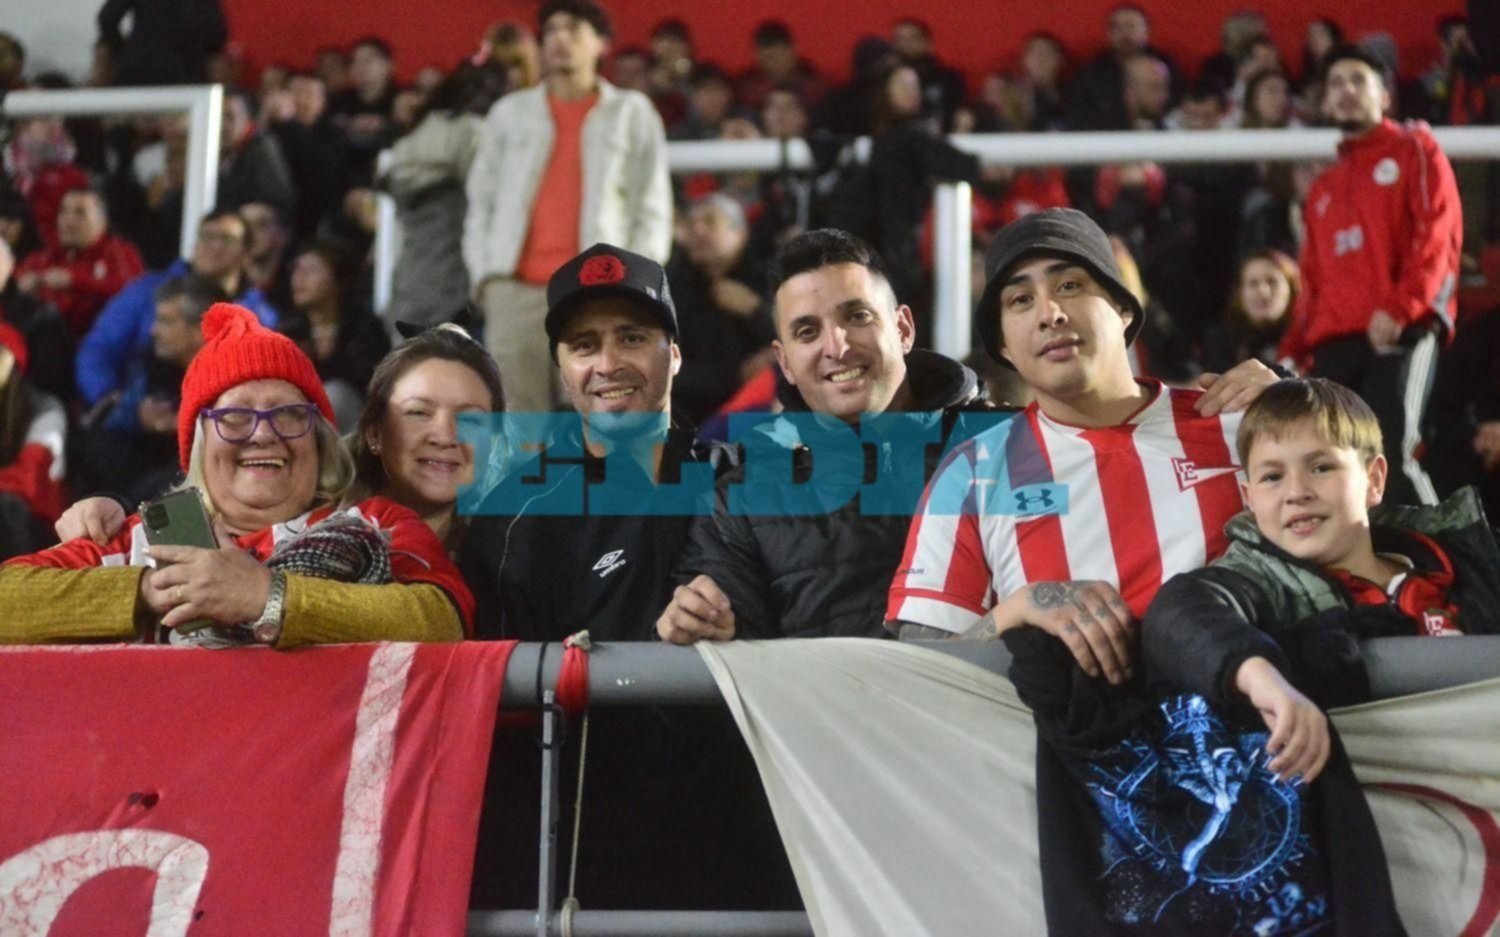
[177,595]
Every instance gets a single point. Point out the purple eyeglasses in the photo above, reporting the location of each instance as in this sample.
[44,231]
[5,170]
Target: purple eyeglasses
[237,424]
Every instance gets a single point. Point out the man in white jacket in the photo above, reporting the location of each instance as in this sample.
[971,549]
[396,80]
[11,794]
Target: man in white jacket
[561,167]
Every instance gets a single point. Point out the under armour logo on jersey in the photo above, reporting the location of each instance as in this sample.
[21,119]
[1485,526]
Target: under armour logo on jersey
[1189,475]
[1322,205]
[1037,500]
[609,562]
[1025,502]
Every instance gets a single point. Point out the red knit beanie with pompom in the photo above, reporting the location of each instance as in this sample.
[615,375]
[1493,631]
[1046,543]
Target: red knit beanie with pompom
[238,349]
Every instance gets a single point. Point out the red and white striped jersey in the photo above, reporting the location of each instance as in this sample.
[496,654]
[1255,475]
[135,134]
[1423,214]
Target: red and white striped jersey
[1036,500]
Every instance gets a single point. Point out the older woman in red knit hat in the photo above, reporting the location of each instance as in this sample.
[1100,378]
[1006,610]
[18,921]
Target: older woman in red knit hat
[256,438]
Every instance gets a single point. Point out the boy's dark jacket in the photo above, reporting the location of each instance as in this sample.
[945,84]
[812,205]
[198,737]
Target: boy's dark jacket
[1105,876]
[1258,600]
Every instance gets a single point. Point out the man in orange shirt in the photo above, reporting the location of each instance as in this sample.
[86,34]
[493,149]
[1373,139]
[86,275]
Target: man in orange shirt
[86,268]
[560,167]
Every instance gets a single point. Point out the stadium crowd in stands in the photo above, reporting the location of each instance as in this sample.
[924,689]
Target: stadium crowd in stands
[88,205]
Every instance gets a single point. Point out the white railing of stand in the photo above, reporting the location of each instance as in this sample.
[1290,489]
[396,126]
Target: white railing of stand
[951,210]
[953,234]
[1090,148]
[387,245]
[201,104]
[1187,146]
[713,156]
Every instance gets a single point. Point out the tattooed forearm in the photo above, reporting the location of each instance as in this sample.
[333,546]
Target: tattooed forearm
[1048,596]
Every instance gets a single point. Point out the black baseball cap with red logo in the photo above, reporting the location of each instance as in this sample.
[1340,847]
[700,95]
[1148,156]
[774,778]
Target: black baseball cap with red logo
[605,271]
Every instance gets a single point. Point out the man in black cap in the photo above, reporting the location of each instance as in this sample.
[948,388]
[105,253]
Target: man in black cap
[568,560]
[1070,516]
[571,553]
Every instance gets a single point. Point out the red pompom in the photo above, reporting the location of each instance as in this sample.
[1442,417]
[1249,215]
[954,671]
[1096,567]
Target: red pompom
[227,320]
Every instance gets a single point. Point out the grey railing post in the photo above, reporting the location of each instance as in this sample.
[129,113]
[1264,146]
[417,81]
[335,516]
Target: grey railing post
[546,879]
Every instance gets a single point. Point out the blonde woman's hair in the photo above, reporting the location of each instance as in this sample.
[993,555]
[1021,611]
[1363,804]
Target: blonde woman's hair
[335,466]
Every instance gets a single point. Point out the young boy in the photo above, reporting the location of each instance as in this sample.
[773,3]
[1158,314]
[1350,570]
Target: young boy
[1179,802]
[1317,564]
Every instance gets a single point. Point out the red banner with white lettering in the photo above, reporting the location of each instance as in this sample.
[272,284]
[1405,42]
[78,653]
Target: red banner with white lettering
[181,791]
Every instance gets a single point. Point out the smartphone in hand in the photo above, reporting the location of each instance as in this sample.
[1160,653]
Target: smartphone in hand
[180,519]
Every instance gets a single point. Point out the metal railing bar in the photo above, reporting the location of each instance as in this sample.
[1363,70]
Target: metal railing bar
[202,104]
[646,673]
[662,923]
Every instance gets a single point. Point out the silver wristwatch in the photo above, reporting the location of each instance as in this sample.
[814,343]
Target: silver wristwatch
[267,628]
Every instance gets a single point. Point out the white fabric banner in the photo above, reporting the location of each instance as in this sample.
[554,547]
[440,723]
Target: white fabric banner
[1430,766]
[902,780]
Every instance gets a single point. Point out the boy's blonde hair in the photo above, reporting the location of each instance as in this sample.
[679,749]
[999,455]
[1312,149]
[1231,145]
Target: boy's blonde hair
[1337,413]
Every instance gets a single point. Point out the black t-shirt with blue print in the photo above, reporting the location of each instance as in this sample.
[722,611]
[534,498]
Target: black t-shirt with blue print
[1157,815]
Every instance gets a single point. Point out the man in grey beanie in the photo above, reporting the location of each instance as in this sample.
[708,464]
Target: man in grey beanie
[1103,488]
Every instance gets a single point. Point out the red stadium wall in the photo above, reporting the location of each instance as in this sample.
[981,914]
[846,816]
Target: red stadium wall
[976,37]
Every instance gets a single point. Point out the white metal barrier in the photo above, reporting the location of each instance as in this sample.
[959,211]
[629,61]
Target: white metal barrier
[387,246]
[1088,148]
[952,301]
[201,104]
[952,247]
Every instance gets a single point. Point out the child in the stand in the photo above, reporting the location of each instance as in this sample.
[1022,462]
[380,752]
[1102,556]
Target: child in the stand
[1315,565]
[1184,802]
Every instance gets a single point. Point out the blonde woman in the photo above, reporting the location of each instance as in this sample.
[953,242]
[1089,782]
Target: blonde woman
[255,437]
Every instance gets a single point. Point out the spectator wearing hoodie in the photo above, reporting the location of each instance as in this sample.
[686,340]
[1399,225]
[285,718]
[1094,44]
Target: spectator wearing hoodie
[122,331]
[33,427]
[88,265]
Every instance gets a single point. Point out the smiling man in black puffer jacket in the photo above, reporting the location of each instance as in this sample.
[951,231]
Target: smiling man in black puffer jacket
[811,553]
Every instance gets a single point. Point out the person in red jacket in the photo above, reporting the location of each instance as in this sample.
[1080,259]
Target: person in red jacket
[87,266]
[1379,264]
[33,426]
